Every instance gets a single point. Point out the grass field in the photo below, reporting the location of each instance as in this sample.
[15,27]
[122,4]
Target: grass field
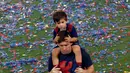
[116,58]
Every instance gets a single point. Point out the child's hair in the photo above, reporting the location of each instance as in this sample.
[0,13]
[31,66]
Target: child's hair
[59,14]
[62,35]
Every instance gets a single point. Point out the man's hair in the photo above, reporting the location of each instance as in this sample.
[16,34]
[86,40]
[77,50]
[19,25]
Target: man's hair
[63,34]
[58,15]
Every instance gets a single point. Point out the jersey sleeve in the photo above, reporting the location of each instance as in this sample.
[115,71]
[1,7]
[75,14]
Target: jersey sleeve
[54,34]
[86,62]
[73,32]
[50,65]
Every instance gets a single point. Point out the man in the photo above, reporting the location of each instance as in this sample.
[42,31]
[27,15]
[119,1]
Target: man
[67,58]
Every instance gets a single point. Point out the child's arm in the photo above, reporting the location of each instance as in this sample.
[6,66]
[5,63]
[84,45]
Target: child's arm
[74,39]
[56,39]
[74,35]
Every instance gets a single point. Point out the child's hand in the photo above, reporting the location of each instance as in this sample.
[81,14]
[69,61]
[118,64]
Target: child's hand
[56,39]
[68,39]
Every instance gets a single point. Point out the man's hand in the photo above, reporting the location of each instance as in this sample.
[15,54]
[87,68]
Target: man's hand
[90,69]
[55,70]
[79,70]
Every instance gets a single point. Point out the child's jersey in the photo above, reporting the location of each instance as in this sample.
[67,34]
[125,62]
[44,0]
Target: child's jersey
[70,28]
[68,63]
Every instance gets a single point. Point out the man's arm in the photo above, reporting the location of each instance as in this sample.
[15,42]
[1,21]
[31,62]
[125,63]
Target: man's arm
[87,64]
[85,70]
[89,69]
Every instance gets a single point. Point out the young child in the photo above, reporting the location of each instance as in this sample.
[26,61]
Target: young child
[60,19]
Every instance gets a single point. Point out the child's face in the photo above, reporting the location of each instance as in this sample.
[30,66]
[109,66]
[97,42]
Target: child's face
[61,24]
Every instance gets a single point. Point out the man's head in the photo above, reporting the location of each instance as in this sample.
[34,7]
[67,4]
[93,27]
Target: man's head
[60,19]
[65,46]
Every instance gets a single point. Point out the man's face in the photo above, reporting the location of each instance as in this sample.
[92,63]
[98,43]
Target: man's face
[65,47]
[61,24]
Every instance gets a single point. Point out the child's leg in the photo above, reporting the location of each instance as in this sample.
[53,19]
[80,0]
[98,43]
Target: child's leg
[55,53]
[78,55]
